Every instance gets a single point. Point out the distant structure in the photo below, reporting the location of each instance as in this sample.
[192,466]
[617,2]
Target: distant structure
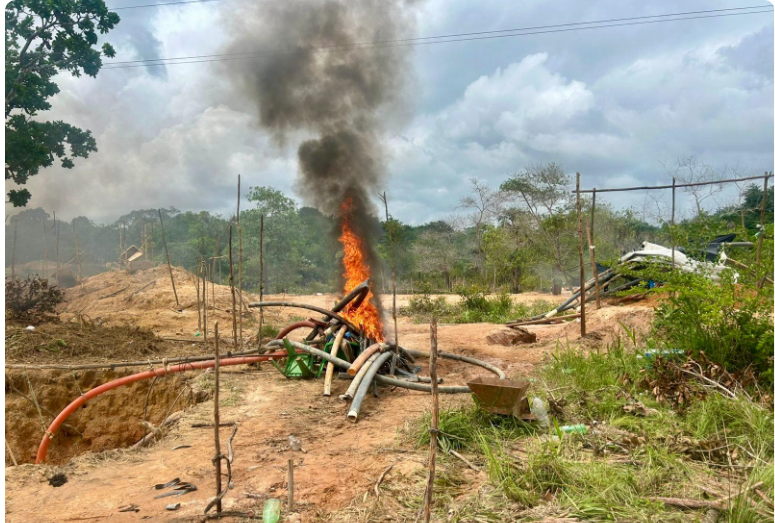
[131,262]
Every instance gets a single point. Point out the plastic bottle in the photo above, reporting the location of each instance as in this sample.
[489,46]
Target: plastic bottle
[574,429]
[272,510]
[539,409]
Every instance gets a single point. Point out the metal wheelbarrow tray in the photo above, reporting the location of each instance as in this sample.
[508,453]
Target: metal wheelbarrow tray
[502,397]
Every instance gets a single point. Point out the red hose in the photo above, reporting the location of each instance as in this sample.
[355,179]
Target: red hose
[126,380]
[293,326]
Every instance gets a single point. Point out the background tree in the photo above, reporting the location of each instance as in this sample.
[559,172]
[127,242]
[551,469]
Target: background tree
[43,38]
[484,205]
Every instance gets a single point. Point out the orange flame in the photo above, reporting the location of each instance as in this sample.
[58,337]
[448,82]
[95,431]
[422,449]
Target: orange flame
[356,270]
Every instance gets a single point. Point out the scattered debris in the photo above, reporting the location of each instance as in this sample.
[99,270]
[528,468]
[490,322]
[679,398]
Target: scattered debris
[172,506]
[129,508]
[57,480]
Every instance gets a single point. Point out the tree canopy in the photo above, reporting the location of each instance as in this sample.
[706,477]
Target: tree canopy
[42,39]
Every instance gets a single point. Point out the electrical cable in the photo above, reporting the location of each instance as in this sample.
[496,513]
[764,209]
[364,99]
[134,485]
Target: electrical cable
[428,40]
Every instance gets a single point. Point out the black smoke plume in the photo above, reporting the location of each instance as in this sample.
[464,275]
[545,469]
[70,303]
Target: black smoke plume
[318,75]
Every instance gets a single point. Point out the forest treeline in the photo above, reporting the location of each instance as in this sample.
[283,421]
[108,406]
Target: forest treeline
[520,236]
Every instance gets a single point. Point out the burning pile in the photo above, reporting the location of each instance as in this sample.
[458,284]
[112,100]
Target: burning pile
[365,314]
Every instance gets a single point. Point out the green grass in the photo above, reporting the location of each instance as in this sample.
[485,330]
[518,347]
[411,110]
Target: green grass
[599,477]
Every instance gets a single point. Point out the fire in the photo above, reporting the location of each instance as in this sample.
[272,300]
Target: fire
[356,270]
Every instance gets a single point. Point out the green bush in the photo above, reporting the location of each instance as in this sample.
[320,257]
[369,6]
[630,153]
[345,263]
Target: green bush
[476,306]
[424,304]
[731,323]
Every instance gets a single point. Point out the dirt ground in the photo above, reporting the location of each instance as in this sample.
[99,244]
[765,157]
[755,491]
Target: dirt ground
[340,460]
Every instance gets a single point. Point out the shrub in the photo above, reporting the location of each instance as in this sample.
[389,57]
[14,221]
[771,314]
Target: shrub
[31,300]
[425,304]
[730,323]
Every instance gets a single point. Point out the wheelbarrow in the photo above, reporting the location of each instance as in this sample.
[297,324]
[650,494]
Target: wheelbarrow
[502,397]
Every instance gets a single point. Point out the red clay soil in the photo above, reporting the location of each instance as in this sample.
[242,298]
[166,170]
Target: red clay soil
[341,459]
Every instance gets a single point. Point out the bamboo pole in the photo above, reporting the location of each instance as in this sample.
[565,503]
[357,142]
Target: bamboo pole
[434,428]
[56,224]
[591,248]
[239,260]
[233,290]
[672,226]
[13,249]
[169,263]
[120,243]
[761,224]
[260,278]
[582,294]
[217,421]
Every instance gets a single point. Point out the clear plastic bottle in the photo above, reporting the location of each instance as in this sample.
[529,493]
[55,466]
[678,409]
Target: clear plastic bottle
[539,409]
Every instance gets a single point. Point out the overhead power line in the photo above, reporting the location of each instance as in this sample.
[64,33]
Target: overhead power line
[457,37]
[182,2]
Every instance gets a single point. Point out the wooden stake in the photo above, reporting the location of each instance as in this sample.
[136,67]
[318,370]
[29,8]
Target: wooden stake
[13,251]
[582,293]
[204,298]
[290,485]
[197,270]
[120,244]
[434,429]
[239,261]
[212,272]
[217,421]
[233,291]
[10,453]
[672,225]
[761,224]
[169,263]
[383,197]
[45,250]
[591,248]
[260,278]
[56,224]
[77,252]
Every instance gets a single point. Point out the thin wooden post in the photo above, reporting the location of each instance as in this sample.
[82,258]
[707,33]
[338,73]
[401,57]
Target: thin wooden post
[582,287]
[217,421]
[120,244]
[434,429]
[290,485]
[169,263]
[56,224]
[591,235]
[204,298]
[45,250]
[672,225]
[212,273]
[77,252]
[197,269]
[233,291]
[239,260]
[383,197]
[761,222]
[260,278]
[13,249]
[594,265]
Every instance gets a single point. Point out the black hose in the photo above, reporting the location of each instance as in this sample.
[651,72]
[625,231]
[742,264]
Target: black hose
[321,310]
[363,388]
[363,289]
[459,357]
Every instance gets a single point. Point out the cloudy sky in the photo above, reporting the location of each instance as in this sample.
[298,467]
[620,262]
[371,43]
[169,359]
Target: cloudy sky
[616,104]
